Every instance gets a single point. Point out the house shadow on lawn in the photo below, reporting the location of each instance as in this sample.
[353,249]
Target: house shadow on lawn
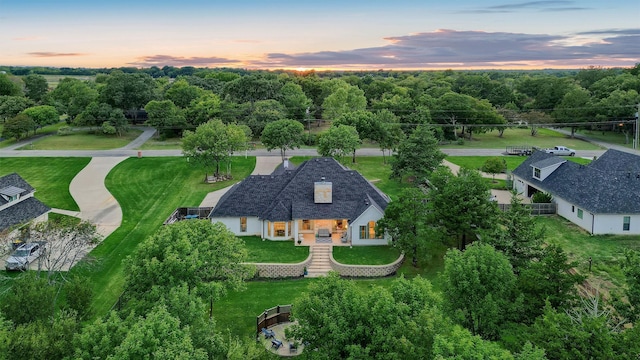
[285,349]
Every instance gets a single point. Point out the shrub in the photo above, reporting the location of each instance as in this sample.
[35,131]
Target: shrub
[65,130]
[460,141]
[541,197]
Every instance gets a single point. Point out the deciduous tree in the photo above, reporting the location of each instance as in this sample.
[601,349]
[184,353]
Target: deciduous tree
[479,289]
[417,156]
[461,204]
[36,87]
[339,141]
[283,135]
[406,221]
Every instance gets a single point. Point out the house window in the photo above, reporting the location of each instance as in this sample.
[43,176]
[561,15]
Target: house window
[573,208]
[269,228]
[307,225]
[364,234]
[626,223]
[289,227]
[536,173]
[278,228]
[368,231]
[243,224]
[579,213]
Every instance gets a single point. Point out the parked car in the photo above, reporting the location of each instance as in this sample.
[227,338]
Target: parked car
[24,255]
[561,151]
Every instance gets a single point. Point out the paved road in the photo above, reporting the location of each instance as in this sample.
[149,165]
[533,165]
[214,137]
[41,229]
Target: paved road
[261,152]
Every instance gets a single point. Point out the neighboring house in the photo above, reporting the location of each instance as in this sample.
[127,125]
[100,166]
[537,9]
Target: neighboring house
[602,197]
[317,197]
[17,203]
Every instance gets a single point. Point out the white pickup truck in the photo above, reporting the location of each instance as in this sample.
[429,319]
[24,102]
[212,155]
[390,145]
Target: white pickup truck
[561,151]
[24,255]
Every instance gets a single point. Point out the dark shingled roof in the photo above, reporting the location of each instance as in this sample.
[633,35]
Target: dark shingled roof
[554,160]
[23,210]
[609,185]
[288,195]
[14,180]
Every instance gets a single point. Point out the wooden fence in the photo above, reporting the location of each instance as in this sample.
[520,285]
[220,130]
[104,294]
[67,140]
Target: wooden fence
[536,208]
[274,316]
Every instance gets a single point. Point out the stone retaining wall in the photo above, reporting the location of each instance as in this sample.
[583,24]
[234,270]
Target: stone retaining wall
[366,270]
[282,270]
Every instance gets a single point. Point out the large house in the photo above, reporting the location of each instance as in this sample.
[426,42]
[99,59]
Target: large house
[602,197]
[17,203]
[319,198]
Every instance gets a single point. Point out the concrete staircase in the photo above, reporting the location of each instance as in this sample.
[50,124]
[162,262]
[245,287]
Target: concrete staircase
[320,263]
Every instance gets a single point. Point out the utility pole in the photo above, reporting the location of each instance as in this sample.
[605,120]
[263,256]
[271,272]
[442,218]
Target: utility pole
[637,135]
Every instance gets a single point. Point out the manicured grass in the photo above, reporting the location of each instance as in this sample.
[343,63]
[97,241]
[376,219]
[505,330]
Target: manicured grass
[372,168]
[157,144]
[148,190]
[522,137]
[238,310]
[365,255]
[83,140]
[605,250]
[608,137]
[274,251]
[49,176]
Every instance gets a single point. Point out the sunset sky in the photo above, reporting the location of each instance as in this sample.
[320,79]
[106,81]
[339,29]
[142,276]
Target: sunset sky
[328,34]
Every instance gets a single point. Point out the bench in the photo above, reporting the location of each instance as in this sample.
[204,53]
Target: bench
[276,343]
[324,233]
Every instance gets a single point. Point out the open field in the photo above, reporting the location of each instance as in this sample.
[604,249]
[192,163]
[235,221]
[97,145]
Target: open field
[522,137]
[49,176]
[83,140]
[54,80]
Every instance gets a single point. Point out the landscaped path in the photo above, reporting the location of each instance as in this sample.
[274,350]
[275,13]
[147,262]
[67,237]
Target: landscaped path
[96,203]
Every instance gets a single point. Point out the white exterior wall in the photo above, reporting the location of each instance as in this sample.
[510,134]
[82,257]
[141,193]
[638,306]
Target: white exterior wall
[519,185]
[254,225]
[612,224]
[547,171]
[565,210]
[372,213]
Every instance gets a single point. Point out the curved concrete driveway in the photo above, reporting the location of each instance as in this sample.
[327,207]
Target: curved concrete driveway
[96,203]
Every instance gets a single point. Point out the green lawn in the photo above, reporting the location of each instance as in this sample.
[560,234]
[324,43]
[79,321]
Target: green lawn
[521,137]
[605,250]
[274,251]
[611,137]
[148,190]
[476,162]
[365,255]
[157,144]
[83,140]
[49,176]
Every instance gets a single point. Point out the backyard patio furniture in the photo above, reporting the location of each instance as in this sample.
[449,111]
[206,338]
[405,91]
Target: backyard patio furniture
[324,233]
[268,333]
[276,343]
[293,347]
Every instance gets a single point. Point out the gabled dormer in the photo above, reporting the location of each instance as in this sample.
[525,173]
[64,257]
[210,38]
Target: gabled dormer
[11,193]
[542,169]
